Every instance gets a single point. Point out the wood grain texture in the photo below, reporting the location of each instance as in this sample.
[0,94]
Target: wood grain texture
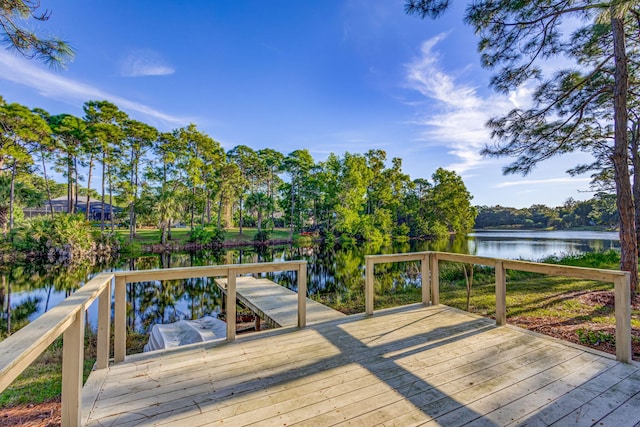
[275,304]
[412,365]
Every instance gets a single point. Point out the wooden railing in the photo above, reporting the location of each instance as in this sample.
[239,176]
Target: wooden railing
[431,285]
[19,350]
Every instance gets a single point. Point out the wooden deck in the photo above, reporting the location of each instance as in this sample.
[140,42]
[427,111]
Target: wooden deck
[412,365]
[275,304]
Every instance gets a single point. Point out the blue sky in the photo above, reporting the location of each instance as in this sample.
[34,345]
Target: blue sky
[326,75]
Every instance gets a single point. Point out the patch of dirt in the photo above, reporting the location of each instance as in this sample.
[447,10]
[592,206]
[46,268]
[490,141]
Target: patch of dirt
[45,414]
[603,298]
[594,335]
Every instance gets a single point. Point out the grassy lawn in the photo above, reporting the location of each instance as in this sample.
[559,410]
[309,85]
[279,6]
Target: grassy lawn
[233,234]
[42,380]
[181,235]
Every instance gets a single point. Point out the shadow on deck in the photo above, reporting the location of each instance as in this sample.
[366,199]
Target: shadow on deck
[410,365]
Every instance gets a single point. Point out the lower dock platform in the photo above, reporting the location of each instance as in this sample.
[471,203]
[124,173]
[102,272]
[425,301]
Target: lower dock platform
[275,304]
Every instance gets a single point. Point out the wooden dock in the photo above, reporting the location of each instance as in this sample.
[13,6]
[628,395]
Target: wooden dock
[275,304]
[411,365]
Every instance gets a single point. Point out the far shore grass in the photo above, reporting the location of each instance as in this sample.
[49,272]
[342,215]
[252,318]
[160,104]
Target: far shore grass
[151,236]
[531,297]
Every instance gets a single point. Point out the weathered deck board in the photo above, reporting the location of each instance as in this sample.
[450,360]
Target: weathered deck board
[277,305]
[406,366]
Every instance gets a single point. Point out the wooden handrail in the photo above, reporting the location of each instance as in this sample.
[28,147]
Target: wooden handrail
[19,350]
[226,270]
[206,271]
[430,276]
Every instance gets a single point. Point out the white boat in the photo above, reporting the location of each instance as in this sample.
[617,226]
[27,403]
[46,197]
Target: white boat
[185,332]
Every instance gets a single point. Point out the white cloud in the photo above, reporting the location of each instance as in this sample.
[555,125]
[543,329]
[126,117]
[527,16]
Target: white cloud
[53,85]
[458,114]
[145,62]
[529,182]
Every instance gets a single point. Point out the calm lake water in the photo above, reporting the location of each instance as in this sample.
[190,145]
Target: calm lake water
[537,245]
[339,272]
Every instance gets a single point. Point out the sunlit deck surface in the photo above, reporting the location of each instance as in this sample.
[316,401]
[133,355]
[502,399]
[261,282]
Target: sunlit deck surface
[412,365]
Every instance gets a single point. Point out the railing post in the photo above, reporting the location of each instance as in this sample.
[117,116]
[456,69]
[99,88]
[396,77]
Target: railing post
[424,267]
[72,363]
[120,320]
[501,294]
[435,280]
[622,293]
[368,286]
[302,295]
[104,327]
[231,304]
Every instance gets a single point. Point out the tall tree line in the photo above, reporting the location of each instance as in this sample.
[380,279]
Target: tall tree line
[599,211]
[162,178]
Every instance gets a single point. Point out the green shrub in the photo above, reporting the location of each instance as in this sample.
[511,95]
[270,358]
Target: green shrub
[329,239]
[115,241]
[401,232]
[607,259]
[304,241]
[206,236]
[71,234]
[262,236]
[590,337]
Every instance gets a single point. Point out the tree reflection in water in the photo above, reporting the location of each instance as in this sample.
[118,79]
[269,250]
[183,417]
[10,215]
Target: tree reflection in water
[337,272]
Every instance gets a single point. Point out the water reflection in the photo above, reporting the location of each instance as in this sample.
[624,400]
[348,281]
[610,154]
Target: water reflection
[537,245]
[334,272]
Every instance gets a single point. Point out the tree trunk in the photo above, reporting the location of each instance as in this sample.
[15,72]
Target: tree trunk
[620,157]
[70,204]
[163,234]
[46,182]
[635,161]
[89,186]
[292,210]
[12,194]
[240,234]
[4,280]
[113,224]
[133,198]
[4,218]
[220,208]
[228,213]
[4,283]
[204,208]
[75,184]
[193,206]
[104,172]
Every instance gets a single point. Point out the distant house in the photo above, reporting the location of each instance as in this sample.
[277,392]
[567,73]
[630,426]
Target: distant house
[61,204]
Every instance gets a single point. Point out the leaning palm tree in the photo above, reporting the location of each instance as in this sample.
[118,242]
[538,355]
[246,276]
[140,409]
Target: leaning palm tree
[168,209]
[260,203]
